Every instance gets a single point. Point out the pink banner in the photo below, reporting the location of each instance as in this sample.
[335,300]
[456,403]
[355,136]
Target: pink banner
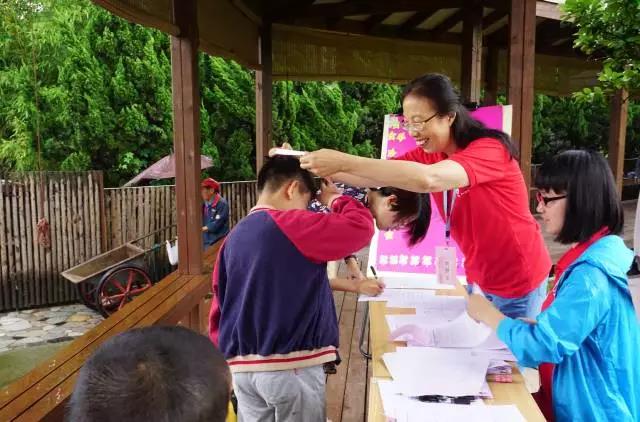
[389,252]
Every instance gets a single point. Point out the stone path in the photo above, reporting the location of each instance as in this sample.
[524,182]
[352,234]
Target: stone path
[45,325]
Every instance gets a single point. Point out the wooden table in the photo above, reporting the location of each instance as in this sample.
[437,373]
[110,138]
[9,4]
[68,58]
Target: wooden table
[503,393]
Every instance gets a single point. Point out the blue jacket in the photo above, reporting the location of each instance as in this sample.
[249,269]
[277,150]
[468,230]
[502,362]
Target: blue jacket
[216,218]
[592,334]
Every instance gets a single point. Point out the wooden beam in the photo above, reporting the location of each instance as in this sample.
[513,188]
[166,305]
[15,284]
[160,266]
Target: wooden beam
[450,22]
[264,110]
[373,7]
[491,72]
[186,136]
[471,62]
[374,20]
[522,25]
[617,134]
[492,18]
[548,10]
[416,20]
[349,26]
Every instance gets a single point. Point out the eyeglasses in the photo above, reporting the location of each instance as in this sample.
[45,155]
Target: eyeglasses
[416,126]
[547,199]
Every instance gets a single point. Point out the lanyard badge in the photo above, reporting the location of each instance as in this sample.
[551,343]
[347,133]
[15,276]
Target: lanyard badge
[446,260]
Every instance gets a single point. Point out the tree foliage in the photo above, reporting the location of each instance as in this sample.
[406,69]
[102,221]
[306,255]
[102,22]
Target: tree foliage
[83,89]
[609,31]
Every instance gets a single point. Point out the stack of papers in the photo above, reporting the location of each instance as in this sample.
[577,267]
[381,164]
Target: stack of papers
[421,371]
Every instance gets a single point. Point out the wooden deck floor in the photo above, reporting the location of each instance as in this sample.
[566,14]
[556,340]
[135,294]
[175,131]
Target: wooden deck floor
[347,390]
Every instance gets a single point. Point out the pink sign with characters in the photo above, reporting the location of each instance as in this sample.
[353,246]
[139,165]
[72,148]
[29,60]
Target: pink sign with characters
[390,251]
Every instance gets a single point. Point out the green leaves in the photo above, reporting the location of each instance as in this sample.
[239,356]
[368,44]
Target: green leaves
[609,31]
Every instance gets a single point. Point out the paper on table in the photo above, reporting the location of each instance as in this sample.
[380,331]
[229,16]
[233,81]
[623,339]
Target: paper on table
[406,282]
[461,332]
[493,343]
[395,405]
[419,371]
[400,297]
[441,412]
[284,151]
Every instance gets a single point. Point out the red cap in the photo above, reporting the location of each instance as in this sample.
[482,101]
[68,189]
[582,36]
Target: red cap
[211,184]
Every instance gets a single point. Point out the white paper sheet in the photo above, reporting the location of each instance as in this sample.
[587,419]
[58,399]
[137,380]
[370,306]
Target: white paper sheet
[419,371]
[406,282]
[407,298]
[397,407]
[284,151]
[461,332]
[439,412]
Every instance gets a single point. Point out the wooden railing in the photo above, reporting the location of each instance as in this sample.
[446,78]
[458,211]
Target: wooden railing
[43,393]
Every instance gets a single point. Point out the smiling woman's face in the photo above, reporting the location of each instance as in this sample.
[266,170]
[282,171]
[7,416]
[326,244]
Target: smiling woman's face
[431,131]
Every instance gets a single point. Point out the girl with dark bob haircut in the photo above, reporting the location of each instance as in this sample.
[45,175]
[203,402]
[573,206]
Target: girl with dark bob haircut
[585,342]
[592,199]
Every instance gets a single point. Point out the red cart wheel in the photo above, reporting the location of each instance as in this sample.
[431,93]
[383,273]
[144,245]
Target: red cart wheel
[119,286]
[87,292]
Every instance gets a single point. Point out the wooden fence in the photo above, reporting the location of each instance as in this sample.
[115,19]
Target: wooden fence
[71,203]
[135,212]
[84,220]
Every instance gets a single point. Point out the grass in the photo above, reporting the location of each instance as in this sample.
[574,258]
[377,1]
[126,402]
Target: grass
[15,363]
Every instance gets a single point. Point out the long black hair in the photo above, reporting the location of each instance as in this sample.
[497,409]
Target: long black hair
[440,91]
[410,204]
[592,199]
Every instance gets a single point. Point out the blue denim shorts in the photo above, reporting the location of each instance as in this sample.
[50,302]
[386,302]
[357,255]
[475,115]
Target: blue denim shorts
[527,306]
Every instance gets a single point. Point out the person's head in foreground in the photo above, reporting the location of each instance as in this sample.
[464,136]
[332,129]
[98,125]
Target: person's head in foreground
[395,209]
[577,196]
[153,374]
[436,117]
[209,188]
[284,185]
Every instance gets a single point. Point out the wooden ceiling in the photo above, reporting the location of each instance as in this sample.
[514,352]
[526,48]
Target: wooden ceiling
[417,20]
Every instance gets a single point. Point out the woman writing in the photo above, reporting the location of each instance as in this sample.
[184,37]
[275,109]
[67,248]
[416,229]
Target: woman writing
[588,328]
[473,174]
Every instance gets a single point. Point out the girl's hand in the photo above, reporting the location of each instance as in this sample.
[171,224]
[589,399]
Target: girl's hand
[324,162]
[353,270]
[370,287]
[328,193]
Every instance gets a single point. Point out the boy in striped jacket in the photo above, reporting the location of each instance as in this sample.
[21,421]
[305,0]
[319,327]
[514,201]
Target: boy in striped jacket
[273,314]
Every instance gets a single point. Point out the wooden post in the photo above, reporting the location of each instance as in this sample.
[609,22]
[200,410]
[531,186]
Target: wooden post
[264,110]
[471,62]
[522,38]
[617,134]
[491,72]
[186,136]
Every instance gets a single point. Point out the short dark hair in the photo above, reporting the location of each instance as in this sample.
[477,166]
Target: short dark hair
[592,198]
[282,169]
[411,204]
[153,374]
[445,97]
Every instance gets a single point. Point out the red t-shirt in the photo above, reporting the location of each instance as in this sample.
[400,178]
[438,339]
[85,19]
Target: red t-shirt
[503,247]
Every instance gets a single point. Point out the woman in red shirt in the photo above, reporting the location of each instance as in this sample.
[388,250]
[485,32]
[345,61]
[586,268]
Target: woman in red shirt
[487,202]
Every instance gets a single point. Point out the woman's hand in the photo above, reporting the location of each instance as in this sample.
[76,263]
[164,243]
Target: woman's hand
[370,287]
[480,309]
[324,162]
[328,193]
